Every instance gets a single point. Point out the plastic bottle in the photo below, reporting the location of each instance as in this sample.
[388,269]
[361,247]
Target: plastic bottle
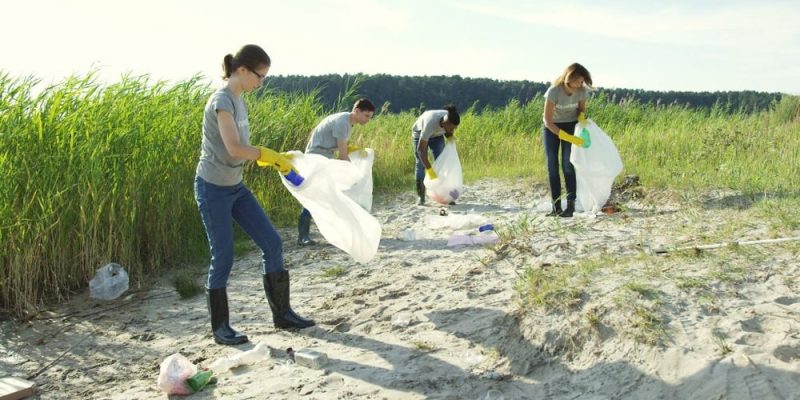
[251,356]
[587,139]
[199,380]
[487,227]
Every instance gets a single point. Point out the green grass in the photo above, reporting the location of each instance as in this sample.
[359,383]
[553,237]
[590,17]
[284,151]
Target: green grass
[93,172]
[334,272]
[186,284]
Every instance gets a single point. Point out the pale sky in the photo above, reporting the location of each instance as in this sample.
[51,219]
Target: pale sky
[673,45]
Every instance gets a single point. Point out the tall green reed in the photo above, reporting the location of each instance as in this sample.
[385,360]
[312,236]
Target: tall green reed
[92,173]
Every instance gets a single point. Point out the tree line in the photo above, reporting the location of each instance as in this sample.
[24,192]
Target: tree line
[392,93]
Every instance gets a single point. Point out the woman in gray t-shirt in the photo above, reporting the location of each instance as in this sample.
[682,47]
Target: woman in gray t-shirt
[223,198]
[564,106]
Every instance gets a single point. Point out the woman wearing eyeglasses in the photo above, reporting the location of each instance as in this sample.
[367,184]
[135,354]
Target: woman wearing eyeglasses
[223,198]
[564,106]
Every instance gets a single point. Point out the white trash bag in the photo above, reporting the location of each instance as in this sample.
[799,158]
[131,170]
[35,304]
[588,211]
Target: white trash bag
[342,221]
[447,186]
[109,282]
[174,372]
[361,191]
[596,166]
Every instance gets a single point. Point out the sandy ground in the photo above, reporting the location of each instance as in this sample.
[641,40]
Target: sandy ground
[424,320]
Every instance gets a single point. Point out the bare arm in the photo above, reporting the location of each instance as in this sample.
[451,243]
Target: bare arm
[422,150]
[581,106]
[341,145]
[230,137]
[549,109]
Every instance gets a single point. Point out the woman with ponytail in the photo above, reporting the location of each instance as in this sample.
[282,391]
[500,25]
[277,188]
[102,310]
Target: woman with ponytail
[223,198]
[430,131]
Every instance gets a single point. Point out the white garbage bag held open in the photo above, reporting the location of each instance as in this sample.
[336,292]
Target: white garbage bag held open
[447,186]
[361,191]
[343,222]
[596,166]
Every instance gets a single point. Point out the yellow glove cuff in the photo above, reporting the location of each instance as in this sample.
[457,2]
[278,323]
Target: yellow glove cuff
[563,135]
[431,173]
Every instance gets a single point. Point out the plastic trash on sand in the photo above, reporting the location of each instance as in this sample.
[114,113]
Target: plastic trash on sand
[488,237]
[449,182]
[174,372]
[342,221]
[109,282]
[596,167]
[456,221]
[258,353]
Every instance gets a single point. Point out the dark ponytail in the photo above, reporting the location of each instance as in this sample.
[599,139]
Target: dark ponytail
[452,114]
[249,56]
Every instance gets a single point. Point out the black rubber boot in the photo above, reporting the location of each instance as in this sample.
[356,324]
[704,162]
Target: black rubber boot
[567,213]
[276,286]
[556,209]
[218,310]
[303,228]
[420,192]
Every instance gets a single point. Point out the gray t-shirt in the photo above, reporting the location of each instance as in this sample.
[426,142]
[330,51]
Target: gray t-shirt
[566,106]
[216,164]
[324,136]
[428,125]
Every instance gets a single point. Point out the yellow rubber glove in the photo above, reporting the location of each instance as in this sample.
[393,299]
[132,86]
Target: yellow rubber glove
[569,138]
[351,148]
[582,119]
[271,158]
[431,173]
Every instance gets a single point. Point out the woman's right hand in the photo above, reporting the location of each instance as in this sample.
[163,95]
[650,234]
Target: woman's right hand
[271,158]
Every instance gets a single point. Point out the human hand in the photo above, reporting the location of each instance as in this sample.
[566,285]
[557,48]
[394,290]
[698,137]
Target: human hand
[431,173]
[563,135]
[271,158]
[582,119]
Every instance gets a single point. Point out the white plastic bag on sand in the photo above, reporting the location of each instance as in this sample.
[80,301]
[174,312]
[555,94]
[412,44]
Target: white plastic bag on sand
[252,356]
[174,372]
[361,191]
[109,282]
[595,168]
[342,222]
[455,221]
[467,240]
[447,186]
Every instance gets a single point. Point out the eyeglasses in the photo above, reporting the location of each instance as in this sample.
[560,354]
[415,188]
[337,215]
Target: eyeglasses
[261,77]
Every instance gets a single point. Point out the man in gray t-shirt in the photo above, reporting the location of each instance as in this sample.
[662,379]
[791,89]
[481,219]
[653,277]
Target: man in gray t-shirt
[330,136]
[326,136]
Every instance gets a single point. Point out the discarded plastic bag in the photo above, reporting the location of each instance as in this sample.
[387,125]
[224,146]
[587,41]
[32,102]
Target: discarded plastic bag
[596,167]
[258,353]
[174,372]
[109,282]
[342,222]
[447,186]
[488,237]
[361,191]
[456,221]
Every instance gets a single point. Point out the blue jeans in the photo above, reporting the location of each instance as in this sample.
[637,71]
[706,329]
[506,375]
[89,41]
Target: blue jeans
[551,145]
[219,207]
[436,145]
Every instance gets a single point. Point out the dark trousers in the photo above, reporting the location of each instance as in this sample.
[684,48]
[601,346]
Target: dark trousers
[551,150]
